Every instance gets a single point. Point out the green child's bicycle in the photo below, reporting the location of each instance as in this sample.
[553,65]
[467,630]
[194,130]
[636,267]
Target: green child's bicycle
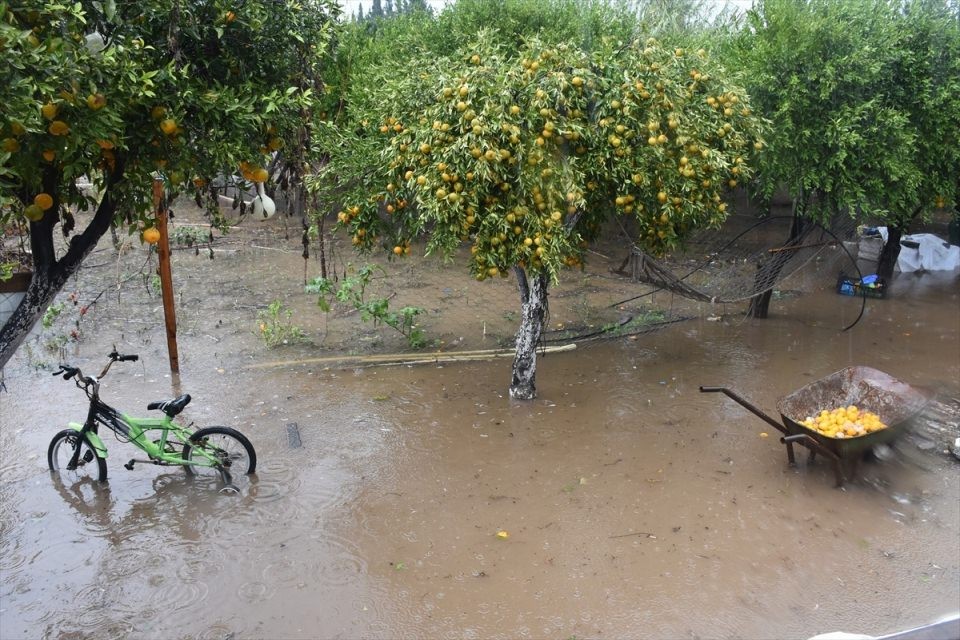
[79,451]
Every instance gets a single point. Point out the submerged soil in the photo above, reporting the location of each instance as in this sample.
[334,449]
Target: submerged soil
[422,502]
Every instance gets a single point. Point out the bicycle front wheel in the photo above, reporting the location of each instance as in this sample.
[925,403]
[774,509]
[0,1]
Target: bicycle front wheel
[221,445]
[89,464]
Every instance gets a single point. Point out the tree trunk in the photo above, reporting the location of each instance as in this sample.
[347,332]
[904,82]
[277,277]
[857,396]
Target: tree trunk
[769,271]
[533,310]
[889,254]
[43,289]
[760,306]
[50,274]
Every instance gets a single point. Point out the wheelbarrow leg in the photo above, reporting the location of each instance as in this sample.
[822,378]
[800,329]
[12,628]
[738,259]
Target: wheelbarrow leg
[790,457]
[838,471]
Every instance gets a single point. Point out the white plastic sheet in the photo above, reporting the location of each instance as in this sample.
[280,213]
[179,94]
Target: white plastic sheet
[932,254]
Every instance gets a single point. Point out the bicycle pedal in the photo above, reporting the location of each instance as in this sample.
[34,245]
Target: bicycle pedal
[129,465]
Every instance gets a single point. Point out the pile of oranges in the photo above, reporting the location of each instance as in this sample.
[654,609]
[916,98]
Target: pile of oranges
[844,422]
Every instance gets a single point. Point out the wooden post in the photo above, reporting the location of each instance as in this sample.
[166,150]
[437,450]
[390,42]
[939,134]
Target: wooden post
[166,279]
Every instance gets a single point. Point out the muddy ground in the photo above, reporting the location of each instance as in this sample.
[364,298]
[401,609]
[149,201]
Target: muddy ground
[631,504]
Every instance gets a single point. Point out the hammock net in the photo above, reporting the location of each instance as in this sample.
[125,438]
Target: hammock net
[749,258]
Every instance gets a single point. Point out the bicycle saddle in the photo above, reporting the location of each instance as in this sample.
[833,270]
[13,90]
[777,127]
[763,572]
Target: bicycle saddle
[171,407]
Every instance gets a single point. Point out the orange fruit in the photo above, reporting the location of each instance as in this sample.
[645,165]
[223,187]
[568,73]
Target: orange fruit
[33,213]
[10,145]
[43,200]
[16,128]
[96,101]
[49,111]
[398,250]
[58,128]
[158,112]
[151,235]
[105,144]
[260,175]
[168,126]
[49,155]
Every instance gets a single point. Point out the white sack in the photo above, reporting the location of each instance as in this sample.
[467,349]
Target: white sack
[933,254]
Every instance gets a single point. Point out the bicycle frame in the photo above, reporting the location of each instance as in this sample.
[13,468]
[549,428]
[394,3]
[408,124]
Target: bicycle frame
[136,431]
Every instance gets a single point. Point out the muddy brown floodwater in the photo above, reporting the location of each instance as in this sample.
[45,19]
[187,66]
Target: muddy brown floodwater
[631,505]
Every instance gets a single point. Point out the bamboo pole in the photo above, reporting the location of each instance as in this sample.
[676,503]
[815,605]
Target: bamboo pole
[407,358]
[166,278]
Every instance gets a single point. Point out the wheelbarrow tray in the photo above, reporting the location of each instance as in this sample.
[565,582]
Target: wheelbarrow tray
[870,390]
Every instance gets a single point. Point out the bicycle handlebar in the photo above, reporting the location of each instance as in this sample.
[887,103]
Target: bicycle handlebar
[69,372]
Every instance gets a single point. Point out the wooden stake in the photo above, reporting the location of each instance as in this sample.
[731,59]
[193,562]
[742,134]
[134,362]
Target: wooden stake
[166,279]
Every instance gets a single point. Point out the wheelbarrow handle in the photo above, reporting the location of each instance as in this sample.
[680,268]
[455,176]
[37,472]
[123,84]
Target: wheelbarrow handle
[747,405]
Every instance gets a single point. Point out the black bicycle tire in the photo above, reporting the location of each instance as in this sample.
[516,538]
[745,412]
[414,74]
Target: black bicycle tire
[228,431]
[101,463]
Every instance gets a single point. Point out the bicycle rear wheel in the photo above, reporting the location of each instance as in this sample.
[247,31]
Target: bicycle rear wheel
[89,465]
[228,446]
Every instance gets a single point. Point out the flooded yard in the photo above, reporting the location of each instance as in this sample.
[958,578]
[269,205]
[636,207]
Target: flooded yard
[422,502]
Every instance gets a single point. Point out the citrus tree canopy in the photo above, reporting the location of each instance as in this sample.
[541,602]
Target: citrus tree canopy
[524,153]
[118,93]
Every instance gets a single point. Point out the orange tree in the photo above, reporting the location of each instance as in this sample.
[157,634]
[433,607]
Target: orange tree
[864,97]
[524,153]
[120,93]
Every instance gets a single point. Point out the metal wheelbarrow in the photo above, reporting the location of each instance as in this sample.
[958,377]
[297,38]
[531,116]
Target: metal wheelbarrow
[869,389]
